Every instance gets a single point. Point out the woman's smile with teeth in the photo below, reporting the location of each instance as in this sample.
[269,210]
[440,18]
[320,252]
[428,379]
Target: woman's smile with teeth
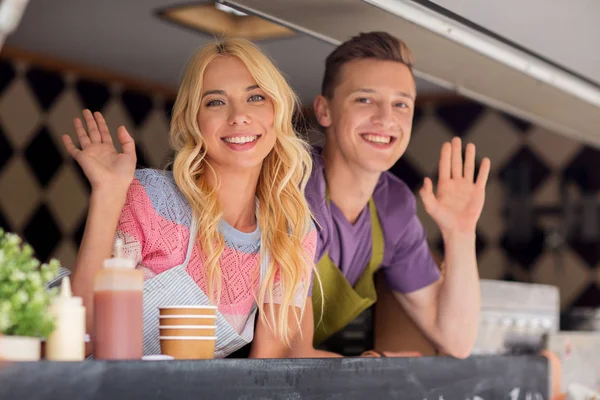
[240,139]
[377,138]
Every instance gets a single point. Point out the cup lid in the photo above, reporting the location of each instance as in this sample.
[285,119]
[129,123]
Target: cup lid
[188,337]
[188,307]
[186,327]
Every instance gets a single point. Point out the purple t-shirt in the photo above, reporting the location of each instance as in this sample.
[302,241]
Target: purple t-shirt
[407,262]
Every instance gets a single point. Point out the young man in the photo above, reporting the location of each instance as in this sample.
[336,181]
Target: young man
[367,216]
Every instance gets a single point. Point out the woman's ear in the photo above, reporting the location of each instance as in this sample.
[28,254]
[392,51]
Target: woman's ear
[322,111]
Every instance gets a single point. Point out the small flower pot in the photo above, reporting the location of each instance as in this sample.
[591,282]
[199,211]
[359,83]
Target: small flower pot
[20,348]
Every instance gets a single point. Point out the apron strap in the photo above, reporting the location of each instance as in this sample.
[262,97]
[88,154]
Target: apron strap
[192,241]
[365,283]
[377,238]
[341,302]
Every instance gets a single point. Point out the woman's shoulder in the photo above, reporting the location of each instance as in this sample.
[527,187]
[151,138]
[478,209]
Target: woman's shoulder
[154,178]
[159,187]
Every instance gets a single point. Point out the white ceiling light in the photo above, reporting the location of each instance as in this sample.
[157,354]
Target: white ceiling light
[220,19]
[229,10]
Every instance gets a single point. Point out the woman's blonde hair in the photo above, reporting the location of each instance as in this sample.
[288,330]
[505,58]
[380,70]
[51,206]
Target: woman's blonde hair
[283,214]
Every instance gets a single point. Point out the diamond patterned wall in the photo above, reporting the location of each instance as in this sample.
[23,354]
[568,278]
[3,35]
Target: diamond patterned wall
[532,170]
[44,195]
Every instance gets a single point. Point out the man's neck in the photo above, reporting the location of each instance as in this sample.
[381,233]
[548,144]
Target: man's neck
[350,187]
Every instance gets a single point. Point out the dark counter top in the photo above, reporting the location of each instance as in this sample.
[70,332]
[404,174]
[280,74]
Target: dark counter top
[479,377]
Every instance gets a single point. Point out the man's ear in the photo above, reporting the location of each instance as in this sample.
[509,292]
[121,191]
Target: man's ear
[321,106]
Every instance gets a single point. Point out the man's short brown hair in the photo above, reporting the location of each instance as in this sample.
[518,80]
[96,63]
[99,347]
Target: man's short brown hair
[375,45]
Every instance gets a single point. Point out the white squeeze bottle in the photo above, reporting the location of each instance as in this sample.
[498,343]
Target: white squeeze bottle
[67,341]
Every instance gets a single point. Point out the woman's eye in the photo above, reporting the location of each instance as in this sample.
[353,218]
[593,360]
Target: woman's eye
[214,103]
[256,97]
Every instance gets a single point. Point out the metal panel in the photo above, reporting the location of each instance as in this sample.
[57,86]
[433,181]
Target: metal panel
[444,61]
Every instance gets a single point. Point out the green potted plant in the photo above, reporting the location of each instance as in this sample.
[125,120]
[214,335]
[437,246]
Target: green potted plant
[24,300]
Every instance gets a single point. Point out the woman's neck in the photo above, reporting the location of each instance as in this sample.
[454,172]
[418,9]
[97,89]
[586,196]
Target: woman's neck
[237,196]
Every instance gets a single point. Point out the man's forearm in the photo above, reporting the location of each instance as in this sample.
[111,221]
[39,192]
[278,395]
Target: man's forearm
[311,352]
[459,299]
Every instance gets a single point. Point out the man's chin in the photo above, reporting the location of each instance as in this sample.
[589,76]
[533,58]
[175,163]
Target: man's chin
[376,165]
[381,161]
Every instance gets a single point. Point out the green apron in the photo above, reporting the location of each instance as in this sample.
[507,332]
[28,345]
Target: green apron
[343,303]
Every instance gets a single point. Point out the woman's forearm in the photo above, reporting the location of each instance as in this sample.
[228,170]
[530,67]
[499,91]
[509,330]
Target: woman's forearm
[96,245]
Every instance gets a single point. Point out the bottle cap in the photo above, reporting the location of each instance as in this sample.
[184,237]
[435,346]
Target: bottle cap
[118,261]
[65,297]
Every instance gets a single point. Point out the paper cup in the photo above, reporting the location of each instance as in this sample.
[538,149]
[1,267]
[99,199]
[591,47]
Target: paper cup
[169,320]
[187,330]
[188,310]
[188,347]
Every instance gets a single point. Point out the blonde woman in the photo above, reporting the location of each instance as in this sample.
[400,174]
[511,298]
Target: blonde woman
[230,225]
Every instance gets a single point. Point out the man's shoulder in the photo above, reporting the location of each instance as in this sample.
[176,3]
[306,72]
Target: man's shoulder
[315,187]
[393,196]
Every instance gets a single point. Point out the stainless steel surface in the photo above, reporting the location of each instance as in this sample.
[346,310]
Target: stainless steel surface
[442,61]
[582,319]
[578,355]
[516,317]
